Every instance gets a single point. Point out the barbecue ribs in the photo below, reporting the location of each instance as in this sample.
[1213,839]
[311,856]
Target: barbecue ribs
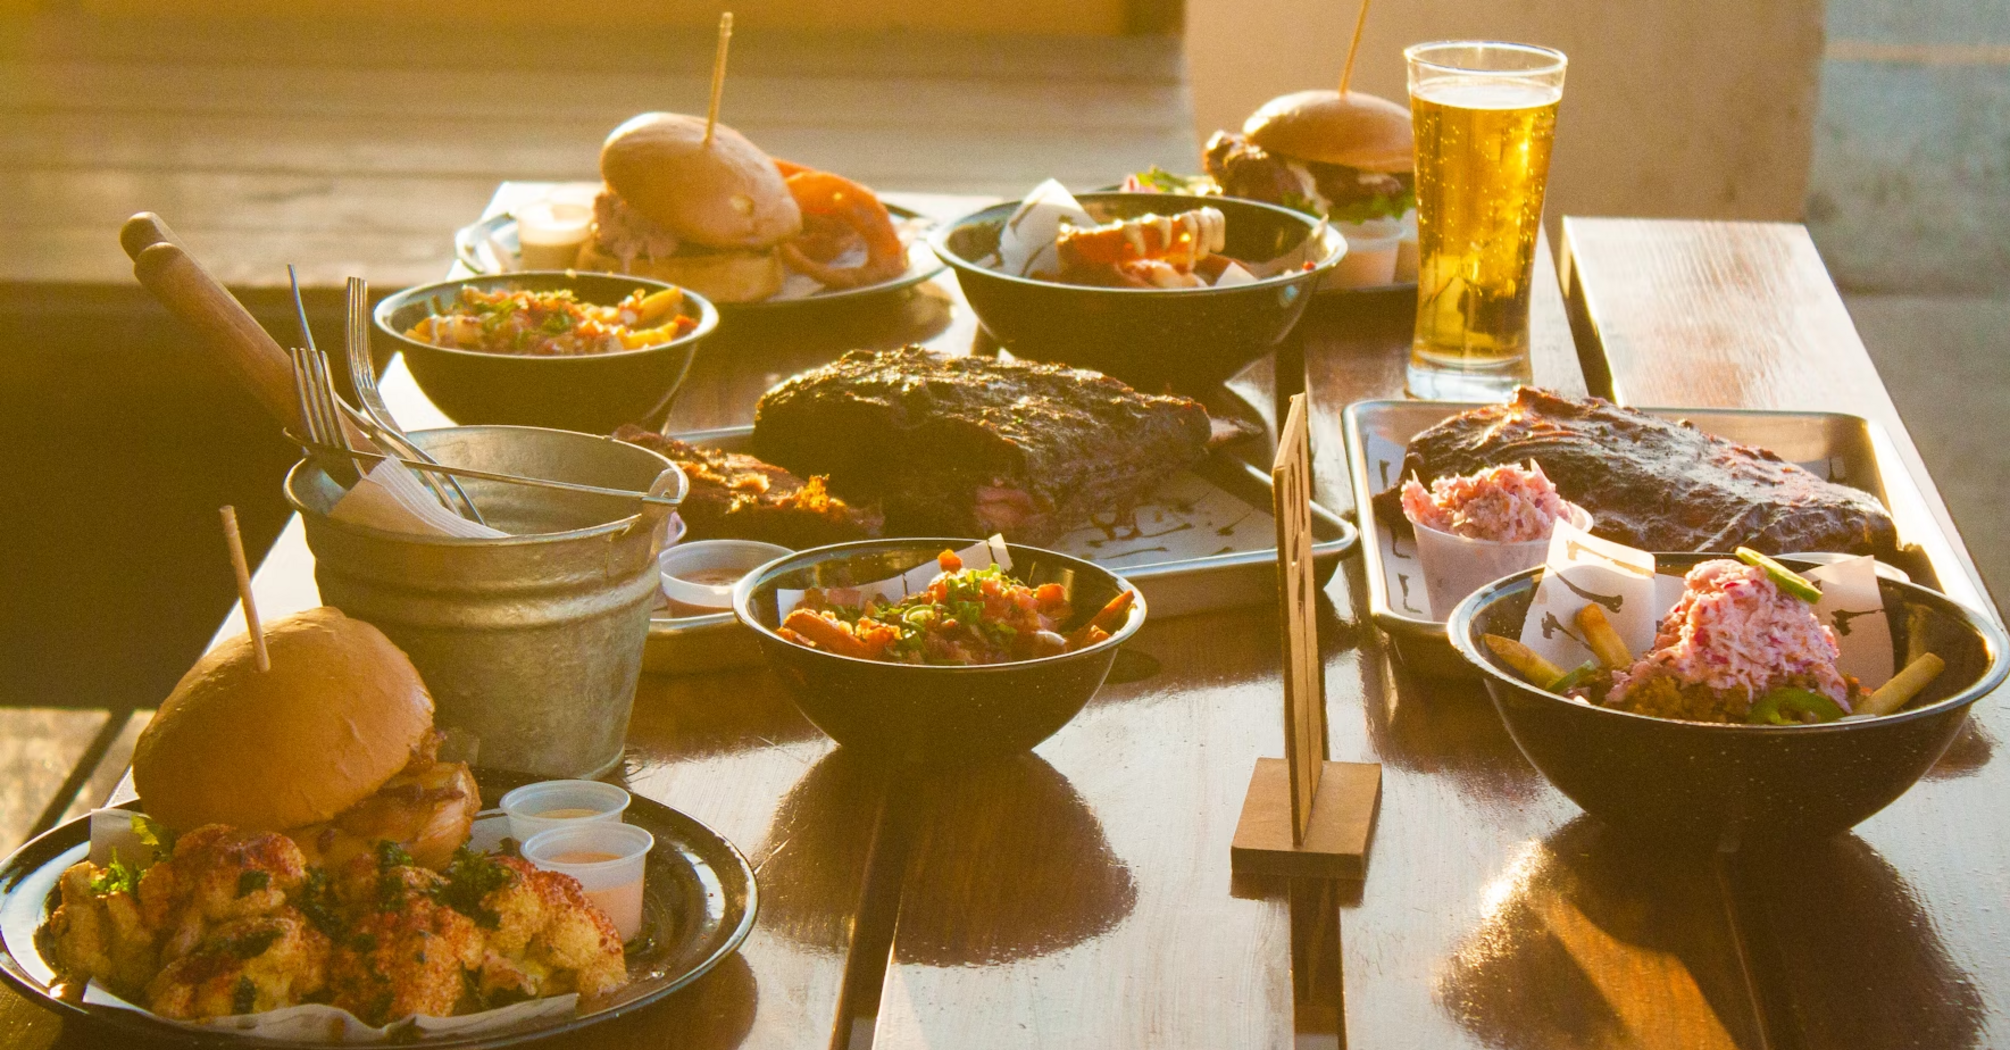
[735,496]
[1652,483]
[968,446]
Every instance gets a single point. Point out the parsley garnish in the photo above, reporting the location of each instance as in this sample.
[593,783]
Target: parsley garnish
[251,882]
[153,833]
[244,996]
[118,877]
[471,877]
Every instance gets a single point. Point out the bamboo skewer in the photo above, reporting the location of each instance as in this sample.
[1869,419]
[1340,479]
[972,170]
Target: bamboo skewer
[1360,23]
[718,73]
[243,571]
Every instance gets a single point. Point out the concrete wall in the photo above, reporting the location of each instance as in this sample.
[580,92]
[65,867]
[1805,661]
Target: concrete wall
[1911,182]
[1681,108]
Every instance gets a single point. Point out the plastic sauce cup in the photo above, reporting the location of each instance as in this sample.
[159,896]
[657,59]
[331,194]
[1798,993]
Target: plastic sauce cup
[698,577]
[1371,254]
[559,803]
[607,859]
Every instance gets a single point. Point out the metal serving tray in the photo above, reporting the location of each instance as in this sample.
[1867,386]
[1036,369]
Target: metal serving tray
[1842,448]
[1204,541]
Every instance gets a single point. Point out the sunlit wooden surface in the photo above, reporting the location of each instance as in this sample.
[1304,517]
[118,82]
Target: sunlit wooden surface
[1080,896]
[1894,934]
[355,147]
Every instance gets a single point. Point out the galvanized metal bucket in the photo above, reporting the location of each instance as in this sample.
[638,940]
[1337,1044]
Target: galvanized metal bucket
[532,643]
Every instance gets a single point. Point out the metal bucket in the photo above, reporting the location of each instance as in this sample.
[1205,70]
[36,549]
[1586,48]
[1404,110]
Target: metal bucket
[533,643]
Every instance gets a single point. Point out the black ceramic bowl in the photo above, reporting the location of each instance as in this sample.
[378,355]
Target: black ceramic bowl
[1716,784]
[1191,338]
[593,393]
[932,715]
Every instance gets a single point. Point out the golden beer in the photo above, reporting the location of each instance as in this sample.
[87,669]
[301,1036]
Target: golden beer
[1483,145]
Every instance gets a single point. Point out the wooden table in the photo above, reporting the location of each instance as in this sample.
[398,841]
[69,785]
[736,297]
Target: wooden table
[1080,896]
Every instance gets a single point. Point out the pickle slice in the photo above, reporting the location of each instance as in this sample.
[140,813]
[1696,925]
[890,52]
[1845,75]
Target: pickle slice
[1788,580]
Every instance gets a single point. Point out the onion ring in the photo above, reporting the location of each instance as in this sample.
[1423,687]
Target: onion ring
[821,194]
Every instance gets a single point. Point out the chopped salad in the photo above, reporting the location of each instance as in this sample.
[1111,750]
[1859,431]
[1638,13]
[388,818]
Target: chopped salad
[555,323]
[1505,504]
[963,617]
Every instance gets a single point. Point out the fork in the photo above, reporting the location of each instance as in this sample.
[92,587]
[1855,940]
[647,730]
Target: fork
[363,376]
[388,437]
[325,438]
[321,410]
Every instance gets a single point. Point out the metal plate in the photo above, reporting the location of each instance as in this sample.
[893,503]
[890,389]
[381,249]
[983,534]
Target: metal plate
[698,906]
[471,251]
[1243,572]
[1842,448]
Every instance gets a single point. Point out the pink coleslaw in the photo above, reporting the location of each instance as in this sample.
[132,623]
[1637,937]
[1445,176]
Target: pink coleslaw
[1734,627]
[1504,504]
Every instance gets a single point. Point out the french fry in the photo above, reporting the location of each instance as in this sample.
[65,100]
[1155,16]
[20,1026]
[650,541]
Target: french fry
[1603,640]
[657,306]
[1106,620]
[1903,686]
[825,634]
[1538,671]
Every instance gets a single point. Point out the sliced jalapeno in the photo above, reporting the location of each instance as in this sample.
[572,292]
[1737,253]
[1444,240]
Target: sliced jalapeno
[1575,676]
[1788,580]
[1788,706]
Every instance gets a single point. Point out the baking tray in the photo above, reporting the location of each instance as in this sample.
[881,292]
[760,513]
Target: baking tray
[1222,499]
[1842,448]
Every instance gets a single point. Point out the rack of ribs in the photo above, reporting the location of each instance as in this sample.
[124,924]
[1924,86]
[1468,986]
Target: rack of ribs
[1650,482]
[969,446]
[736,496]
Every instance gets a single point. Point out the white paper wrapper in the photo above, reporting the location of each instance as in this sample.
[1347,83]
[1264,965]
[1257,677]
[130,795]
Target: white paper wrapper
[315,1022]
[391,497]
[1581,569]
[1026,244]
[1455,566]
[894,588]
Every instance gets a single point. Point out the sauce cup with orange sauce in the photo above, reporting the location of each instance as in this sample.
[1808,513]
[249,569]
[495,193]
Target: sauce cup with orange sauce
[608,860]
[557,803]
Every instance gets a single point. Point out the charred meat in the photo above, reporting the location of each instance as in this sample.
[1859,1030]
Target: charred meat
[735,496]
[1650,482]
[968,446]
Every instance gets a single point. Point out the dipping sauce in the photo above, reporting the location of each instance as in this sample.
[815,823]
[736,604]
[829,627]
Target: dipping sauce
[713,577]
[568,813]
[581,856]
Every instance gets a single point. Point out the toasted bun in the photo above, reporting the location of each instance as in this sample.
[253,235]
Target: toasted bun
[726,194]
[723,277]
[1360,131]
[340,712]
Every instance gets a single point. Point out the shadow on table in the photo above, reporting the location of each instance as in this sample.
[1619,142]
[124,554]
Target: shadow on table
[999,862]
[1593,939]
[1006,862]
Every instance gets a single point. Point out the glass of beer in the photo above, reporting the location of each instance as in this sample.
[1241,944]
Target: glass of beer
[1485,115]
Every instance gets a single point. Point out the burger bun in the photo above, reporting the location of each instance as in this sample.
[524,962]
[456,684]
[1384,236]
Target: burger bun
[1360,131]
[725,193]
[340,711]
[721,276]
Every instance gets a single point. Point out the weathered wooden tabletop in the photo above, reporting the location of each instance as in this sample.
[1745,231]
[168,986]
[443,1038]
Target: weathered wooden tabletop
[1080,896]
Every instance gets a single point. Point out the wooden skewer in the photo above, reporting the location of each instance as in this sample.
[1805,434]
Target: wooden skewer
[243,570]
[718,73]
[1360,23]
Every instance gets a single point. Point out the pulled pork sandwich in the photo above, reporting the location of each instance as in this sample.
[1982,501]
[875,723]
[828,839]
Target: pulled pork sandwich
[706,215]
[1348,158]
[333,746]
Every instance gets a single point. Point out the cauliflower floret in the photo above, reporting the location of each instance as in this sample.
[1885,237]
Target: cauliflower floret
[244,966]
[217,874]
[580,938]
[405,953]
[543,922]
[101,935]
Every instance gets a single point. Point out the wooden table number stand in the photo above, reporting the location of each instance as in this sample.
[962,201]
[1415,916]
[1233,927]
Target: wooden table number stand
[1304,815]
